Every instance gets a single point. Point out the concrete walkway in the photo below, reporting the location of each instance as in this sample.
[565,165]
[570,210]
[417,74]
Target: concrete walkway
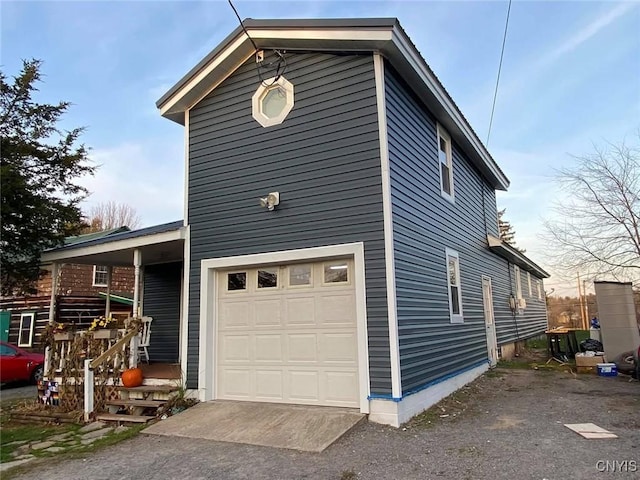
[304,428]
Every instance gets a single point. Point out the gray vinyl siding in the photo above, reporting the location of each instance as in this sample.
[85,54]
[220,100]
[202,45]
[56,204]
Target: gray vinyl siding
[424,224]
[161,300]
[530,321]
[325,162]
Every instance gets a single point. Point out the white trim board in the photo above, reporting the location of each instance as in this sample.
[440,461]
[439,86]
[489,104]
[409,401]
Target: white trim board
[395,413]
[208,308]
[392,311]
[114,246]
[184,304]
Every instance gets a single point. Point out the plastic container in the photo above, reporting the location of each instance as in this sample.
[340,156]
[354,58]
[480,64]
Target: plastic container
[607,370]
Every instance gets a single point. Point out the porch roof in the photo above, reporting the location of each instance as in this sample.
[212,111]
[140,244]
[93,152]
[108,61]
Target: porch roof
[513,255]
[158,244]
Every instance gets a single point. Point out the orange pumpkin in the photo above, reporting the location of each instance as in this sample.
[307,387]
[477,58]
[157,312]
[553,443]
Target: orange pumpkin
[132,377]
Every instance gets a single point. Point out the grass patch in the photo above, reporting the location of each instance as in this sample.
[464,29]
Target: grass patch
[27,433]
[537,343]
[514,364]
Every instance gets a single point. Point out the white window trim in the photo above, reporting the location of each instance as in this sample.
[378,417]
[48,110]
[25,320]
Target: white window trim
[529,284]
[21,342]
[458,317]
[93,282]
[539,287]
[518,280]
[442,133]
[256,104]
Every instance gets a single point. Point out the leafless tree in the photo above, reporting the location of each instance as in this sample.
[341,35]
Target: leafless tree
[597,229]
[108,215]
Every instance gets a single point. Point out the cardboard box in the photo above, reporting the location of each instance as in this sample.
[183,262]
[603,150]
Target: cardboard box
[586,361]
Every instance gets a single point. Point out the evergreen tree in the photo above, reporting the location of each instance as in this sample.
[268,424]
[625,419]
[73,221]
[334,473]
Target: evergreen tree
[40,164]
[507,233]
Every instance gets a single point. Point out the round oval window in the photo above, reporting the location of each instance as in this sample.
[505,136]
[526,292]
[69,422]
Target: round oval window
[274,102]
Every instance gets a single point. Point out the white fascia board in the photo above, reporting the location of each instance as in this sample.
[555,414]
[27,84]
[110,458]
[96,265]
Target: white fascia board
[114,246]
[196,79]
[452,111]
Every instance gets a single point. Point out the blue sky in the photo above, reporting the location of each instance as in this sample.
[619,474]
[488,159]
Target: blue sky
[570,78]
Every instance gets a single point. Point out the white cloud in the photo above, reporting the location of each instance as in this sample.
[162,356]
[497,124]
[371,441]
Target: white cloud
[586,33]
[149,177]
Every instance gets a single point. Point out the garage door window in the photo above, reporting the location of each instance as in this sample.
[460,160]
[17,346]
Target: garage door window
[299,275]
[237,281]
[336,272]
[268,278]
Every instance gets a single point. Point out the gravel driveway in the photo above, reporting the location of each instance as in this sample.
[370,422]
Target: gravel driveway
[507,425]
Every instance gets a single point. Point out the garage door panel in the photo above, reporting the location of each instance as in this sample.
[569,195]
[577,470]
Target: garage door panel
[269,384]
[300,311]
[268,313]
[338,348]
[303,347]
[269,348]
[341,387]
[335,309]
[304,385]
[236,348]
[235,314]
[237,383]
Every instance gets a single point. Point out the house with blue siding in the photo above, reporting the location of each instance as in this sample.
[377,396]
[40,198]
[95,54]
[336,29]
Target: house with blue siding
[340,243]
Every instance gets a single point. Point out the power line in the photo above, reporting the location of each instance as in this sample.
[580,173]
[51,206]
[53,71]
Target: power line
[242,25]
[495,93]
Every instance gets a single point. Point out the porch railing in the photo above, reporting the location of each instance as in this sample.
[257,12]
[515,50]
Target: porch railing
[109,361]
[82,361]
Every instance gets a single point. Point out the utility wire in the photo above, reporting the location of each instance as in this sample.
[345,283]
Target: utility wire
[495,93]
[281,60]
[245,30]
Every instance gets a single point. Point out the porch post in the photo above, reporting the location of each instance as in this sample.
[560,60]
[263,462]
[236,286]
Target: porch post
[137,260]
[52,312]
[54,290]
[107,307]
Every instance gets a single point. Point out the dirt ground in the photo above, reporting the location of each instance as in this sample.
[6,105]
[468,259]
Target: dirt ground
[506,425]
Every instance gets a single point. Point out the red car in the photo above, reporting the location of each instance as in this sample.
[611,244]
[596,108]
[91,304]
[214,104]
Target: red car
[19,365]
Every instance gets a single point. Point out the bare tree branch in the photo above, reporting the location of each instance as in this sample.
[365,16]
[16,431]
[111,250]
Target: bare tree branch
[109,215]
[598,228]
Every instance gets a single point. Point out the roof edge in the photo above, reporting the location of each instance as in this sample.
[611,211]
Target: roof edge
[513,255]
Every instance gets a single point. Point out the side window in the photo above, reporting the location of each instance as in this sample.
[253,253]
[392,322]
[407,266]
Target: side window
[453,286]
[518,281]
[445,163]
[539,289]
[529,284]
[99,275]
[25,335]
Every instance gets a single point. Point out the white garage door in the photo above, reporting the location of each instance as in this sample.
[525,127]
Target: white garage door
[287,334]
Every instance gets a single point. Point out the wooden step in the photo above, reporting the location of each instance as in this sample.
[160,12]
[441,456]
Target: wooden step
[151,388]
[136,403]
[114,417]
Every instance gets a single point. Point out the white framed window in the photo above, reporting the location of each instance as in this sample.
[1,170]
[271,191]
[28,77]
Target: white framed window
[445,164]
[539,289]
[453,286]
[529,284]
[236,281]
[518,281]
[267,277]
[100,275]
[25,335]
[272,101]
[336,272]
[300,275]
